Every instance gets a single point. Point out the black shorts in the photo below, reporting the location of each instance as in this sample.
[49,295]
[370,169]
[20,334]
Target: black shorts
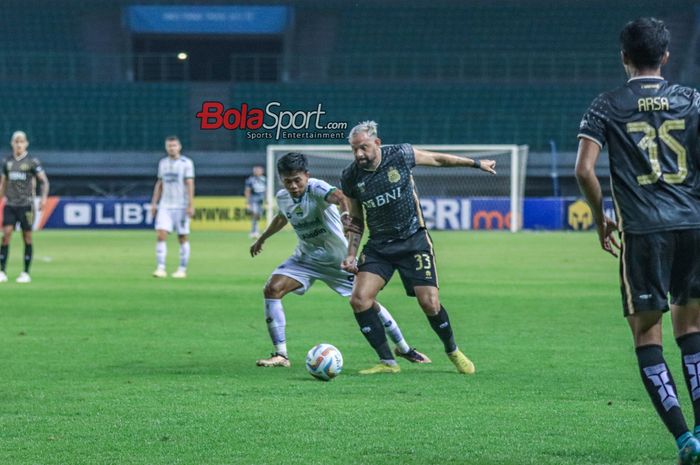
[413,257]
[654,265]
[22,215]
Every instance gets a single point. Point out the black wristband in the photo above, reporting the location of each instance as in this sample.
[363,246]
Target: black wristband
[477,164]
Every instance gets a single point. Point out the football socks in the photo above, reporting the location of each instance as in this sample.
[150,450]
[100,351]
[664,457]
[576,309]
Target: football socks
[661,388]
[442,327]
[4,252]
[372,329]
[276,323]
[690,350]
[161,253]
[184,254]
[28,252]
[391,328]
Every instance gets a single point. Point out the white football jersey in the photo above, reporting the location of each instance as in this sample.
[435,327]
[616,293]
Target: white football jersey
[173,173]
[316,223]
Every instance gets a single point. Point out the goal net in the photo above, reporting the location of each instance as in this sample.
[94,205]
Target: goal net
[445,191]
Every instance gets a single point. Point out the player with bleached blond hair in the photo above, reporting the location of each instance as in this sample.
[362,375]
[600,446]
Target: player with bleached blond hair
[310,205]
[379,185]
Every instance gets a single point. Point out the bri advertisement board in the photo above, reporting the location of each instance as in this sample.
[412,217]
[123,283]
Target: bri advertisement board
[231,214]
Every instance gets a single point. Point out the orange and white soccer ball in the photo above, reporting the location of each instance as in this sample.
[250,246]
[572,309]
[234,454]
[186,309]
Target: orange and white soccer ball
[324,362]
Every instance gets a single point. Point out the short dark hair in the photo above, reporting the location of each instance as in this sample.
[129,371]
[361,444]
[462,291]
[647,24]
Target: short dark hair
[172,138]
[645,41]
[292,162]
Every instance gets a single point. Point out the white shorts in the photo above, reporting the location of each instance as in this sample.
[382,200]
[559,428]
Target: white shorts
[335,278]
[173,219]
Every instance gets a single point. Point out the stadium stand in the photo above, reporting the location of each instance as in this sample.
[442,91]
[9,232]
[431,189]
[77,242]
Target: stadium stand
[108,116]
[448,72]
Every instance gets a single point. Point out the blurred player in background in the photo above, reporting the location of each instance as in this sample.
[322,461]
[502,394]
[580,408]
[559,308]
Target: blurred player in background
[173,199]
[379,183]
[651,128]
[255,187]
[18,186]
[310,205]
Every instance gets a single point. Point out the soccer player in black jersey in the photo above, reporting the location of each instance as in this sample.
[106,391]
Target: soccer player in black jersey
[380,182]
[651,128]
[20,173]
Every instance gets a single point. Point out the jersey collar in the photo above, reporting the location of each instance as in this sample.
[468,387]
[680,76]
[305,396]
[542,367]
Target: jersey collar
[301,197]
[24,155]
[637,78]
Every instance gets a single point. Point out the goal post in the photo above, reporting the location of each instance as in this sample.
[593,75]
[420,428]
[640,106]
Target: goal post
[328,161]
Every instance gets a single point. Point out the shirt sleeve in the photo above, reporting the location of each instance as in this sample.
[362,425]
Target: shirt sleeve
[593,123]
[346,185]
[408,155]
[249,183]
[320,188]
[4,168]
[160,170]
[277,204]
[189,170]
[36,167]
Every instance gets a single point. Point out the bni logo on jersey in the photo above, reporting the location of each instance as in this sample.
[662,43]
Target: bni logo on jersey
[271,122]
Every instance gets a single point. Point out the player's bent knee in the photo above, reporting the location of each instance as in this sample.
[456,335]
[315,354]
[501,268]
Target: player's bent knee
[273,291]
[360,302]
[430,304]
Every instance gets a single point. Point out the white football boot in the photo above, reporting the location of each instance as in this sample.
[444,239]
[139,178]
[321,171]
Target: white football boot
[3,277]
[24,278]
[181,273]
[160,273]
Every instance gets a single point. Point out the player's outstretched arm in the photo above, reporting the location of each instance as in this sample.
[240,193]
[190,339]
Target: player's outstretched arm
[355,218]
[588,152]
[444,160]
[157,191]
[275,226]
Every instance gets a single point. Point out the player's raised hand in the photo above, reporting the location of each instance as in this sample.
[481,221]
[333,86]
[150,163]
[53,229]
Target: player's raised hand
[489,166]
[606,231]
[350,264]
[256,248]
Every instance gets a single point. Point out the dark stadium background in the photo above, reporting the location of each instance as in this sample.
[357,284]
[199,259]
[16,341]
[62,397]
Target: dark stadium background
[97,98]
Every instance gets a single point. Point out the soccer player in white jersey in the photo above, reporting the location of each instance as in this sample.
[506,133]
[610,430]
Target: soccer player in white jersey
[310,205]
[173,197]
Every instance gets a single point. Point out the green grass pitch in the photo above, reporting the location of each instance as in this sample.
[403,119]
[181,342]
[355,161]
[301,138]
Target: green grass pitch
[102,364]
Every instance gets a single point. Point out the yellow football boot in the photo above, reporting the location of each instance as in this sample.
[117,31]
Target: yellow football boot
[461,362]
[381,368]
